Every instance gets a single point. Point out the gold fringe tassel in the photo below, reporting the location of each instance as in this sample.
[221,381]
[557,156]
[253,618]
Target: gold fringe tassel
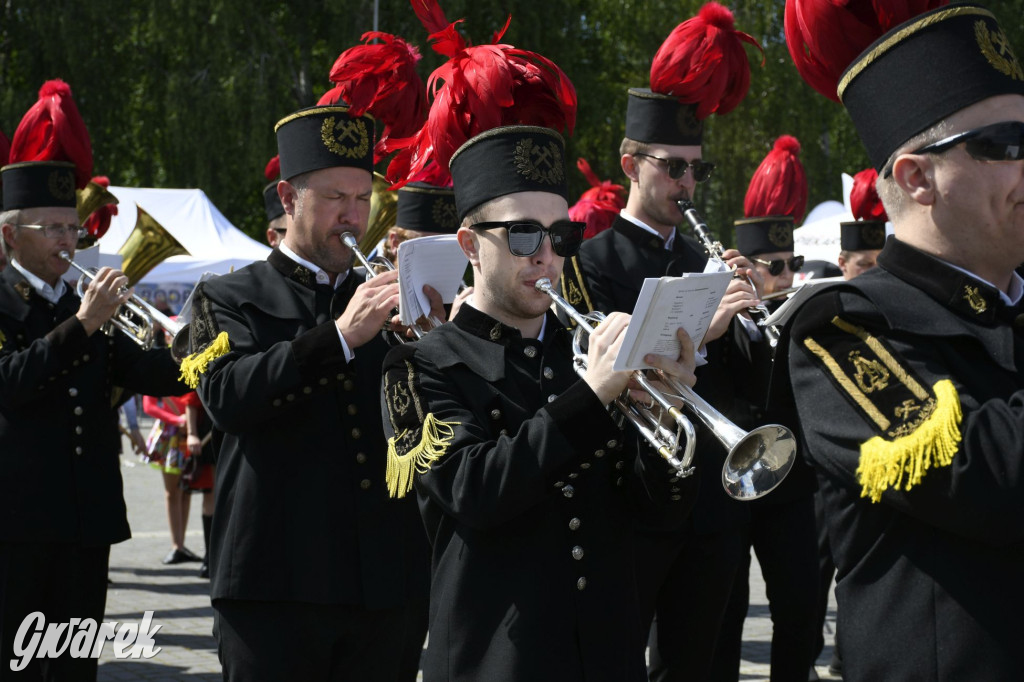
[437,436]
[195,364]
[904,461]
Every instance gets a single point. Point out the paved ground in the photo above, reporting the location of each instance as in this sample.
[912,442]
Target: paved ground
[180,599]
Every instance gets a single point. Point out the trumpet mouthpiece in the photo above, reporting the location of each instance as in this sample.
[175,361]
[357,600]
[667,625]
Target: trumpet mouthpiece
[684,205]
[542,284]
[65,255]
[349,240]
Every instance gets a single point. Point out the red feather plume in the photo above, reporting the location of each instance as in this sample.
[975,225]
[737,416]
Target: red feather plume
[479,88]
[825,36]
[779,185]
[380,79]
[703,62]
[273,170]
[864,201]
[53,130]
[599,205]
[98,221]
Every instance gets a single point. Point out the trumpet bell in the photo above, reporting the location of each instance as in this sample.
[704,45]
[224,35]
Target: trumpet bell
[759,462]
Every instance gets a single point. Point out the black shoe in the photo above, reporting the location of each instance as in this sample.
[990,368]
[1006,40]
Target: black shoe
[190,555]
[179,556]
[204,570]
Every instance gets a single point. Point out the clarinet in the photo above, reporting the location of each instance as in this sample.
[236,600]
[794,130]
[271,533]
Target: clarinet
[758,313]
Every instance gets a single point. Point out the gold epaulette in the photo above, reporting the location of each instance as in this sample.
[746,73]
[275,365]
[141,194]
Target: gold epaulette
[917,427]
[194,365]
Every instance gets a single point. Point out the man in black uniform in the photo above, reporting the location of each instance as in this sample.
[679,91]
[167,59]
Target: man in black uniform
[61,501]
[312,564]
[909,379]
[861,239]
[277,220]
[528,488]
[662,157]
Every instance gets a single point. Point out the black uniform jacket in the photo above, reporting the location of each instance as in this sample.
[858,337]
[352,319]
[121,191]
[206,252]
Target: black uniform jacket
[530,505]
[929,576]
[302,513]
[607,275]
[60,477]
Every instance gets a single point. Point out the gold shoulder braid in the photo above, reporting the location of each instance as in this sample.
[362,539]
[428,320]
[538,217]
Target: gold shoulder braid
[411,450]
[917,427]
[205,336]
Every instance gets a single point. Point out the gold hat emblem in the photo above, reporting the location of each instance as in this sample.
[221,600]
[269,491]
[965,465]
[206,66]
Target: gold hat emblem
[347,137]
[975,299]
[996,48]
[62,185]
[873,235]
[444,214]
[781,234]
[539,162]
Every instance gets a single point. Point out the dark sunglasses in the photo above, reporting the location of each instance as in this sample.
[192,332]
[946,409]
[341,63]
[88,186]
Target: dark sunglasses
[996,142]
[796,263]
[526,236]
[677,167]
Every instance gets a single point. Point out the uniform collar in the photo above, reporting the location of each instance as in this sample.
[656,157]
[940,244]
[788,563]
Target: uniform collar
[645,234]
[298,269]
[483,326]
[953,287]
[51,294]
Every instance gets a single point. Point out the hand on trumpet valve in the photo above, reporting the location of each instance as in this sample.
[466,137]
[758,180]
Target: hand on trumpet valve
[102,297]
[369,309]
[603,346]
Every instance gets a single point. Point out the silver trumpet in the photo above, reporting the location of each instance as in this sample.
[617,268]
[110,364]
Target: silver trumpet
[135,317]
[758,460]
[373,268]
[758,313]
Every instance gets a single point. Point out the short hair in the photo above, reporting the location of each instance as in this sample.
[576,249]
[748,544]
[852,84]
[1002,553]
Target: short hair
[893,198]
[630,146]
[12,217]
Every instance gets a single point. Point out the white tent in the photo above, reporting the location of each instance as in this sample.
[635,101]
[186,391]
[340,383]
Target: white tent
[818,237]
[214,243]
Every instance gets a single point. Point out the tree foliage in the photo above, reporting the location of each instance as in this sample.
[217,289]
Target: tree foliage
[186,94]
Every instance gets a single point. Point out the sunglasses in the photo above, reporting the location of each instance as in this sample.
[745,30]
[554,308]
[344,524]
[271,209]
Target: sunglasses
[995,142]
[526,236]
[775,266]
[677,167]
[58,230]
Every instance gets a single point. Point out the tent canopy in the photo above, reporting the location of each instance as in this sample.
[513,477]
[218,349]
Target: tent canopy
[214,243]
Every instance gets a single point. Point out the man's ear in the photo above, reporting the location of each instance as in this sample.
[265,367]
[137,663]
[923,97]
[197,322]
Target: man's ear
[289,196]
[915,175]
[628,163]
[7,234]
[467,240]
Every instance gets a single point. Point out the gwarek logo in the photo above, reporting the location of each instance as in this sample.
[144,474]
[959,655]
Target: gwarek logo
[82,639]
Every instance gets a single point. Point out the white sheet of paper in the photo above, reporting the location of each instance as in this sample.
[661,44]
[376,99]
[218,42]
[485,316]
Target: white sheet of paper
[436,260]
[665,305]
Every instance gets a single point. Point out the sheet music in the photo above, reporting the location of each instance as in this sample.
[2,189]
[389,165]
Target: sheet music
[436,260]
[665,305]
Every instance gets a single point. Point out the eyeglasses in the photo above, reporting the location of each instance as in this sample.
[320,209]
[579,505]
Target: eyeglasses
[677,167]
[280,230]
[526,236]
[796,263]
[58,230]
[996,142]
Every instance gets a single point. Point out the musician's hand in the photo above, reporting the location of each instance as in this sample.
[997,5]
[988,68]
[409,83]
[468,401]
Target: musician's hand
[194,444]
[604,344]
[138,442]
[102,298]
[738,297]
[679,368]
[460,298]
[369,309]
[743,268]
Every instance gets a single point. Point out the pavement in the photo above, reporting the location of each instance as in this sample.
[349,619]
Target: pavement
[180,599]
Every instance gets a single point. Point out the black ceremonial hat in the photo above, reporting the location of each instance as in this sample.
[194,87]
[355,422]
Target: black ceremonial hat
[324,137]
[39,184]
[767,234]
[272,202]
[427,208]
[924,70]
[507,160]
[862,235]
[655,118]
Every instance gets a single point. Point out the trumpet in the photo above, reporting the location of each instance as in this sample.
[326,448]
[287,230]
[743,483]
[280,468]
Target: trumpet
[758,460]
[135,317]
[758,313]
[375,267]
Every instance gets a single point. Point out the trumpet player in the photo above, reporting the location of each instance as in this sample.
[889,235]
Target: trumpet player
[61,501]
[528,488]
[663,158]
